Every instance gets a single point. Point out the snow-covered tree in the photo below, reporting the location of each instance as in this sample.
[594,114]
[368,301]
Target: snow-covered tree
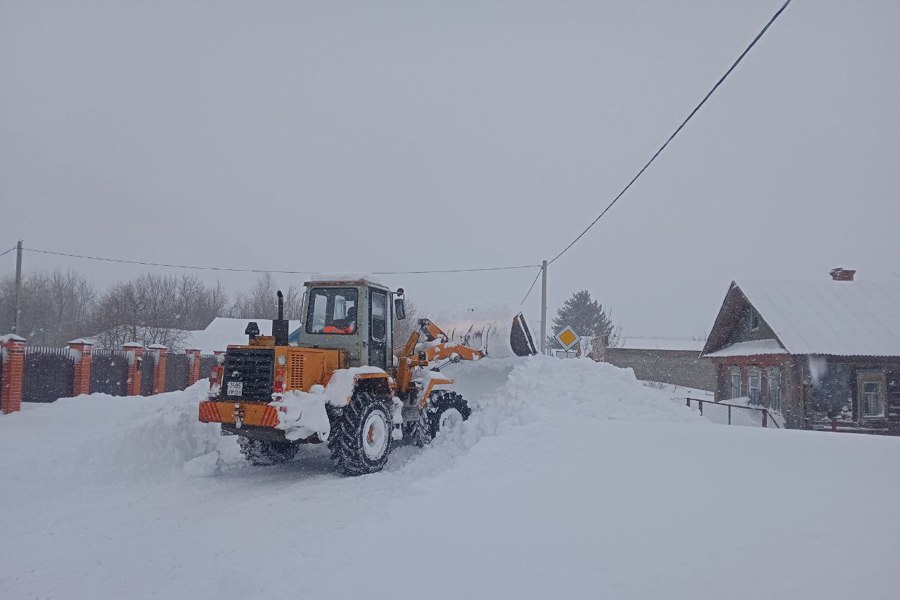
[586,316]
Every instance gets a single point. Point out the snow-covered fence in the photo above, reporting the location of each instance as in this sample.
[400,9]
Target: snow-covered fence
[109,372]
[725,413]
[178,367]
[38,374]
[207,362]
[49,374]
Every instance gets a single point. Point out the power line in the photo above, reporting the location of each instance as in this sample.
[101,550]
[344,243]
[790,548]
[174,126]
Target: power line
[528,293]
[680,127]
[276,271]
[8,251]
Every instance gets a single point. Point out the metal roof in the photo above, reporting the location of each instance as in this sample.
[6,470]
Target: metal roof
[840,318]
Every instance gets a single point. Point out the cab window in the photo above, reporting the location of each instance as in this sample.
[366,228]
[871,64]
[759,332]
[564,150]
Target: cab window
[332,311]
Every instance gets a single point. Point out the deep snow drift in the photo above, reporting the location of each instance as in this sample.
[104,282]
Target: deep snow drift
[570,480]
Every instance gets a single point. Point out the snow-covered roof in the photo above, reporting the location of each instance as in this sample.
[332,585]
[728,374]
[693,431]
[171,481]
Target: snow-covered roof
[354,278]
[224,331]
[840,318]
[651,343]
[751,348]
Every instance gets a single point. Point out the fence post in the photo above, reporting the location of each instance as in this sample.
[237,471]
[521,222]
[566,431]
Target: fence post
[765,418]
[193,366]
[13,350]
[160,354]
[135,358]
[729,414]
[220,359]
[700,402]
[82,383]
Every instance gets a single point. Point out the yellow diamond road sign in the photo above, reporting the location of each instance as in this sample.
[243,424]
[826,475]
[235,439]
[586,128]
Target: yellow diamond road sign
[567,337]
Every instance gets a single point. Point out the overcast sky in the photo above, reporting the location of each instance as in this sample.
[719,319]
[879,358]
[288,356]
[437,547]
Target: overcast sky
[375,136]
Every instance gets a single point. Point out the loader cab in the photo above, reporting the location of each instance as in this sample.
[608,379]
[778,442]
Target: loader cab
[352,315]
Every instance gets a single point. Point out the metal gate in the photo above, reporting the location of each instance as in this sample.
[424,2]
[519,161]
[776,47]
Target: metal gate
[147,367]
[49,374]
[178,368]
[109,372]
[207,362]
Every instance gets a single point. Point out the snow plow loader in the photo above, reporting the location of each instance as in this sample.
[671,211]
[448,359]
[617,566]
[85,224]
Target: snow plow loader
[341,384]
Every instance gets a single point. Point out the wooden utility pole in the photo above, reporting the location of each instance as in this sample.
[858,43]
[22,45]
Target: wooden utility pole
[18,289]
[544,307]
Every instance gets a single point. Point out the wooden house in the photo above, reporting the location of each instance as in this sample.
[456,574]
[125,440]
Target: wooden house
[825,354]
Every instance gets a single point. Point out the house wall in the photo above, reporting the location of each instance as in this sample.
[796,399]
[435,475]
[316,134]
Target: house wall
[743,332]
[839,384]
[791,378]
[680,367]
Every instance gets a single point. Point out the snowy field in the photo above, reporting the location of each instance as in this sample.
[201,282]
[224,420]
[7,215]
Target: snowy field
[571,480]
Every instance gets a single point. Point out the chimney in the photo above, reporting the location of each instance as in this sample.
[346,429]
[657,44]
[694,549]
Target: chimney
[842,274]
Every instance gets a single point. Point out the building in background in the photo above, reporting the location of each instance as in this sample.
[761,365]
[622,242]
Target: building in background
[667,360]
[825,354]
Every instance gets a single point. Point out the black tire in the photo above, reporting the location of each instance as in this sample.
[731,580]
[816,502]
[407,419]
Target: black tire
[355,449]
[439,403]
[266,453]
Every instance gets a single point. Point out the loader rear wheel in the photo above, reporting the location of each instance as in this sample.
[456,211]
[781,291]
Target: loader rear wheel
[360,439]
[446,410]
[261,453]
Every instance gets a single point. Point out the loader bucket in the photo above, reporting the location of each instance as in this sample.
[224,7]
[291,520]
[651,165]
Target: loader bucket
[496,330]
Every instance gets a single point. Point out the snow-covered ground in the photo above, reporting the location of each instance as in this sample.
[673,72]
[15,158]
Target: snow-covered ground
[571,480]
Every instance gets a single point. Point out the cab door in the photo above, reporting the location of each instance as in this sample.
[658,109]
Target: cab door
[378,329]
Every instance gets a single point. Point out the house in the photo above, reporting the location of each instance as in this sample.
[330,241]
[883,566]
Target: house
[668,360]
[221,332]
[825,354]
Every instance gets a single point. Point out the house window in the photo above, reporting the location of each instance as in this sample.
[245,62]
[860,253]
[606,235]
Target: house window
[871,393]
[775,389]
[735,382]
[754,320]
[754,384]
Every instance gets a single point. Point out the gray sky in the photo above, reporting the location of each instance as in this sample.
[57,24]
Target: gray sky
[412,135]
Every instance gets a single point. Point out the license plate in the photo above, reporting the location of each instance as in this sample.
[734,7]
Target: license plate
[235,388]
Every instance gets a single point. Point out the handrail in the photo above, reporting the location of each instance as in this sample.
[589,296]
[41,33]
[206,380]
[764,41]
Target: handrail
[766,415]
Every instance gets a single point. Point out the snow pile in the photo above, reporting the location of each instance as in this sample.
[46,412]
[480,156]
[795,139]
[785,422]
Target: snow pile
[543,388]
[542,396]
[106,438]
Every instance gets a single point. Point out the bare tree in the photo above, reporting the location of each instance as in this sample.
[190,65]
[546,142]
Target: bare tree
[261,302]
[55,307]
[157,309]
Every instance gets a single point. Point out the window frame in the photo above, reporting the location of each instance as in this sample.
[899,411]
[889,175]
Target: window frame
[774,374]
[751,372]
[754,320]
[350,293]
[735,371]
[876,378]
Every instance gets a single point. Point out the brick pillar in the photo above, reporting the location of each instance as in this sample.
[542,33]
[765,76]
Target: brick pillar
[13,349]
[160,354]
[84,350]
[135,356]
[194,366]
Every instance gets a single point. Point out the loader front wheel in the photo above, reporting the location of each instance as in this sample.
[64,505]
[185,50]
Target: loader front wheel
[360,439]
[266,453]
[446,410]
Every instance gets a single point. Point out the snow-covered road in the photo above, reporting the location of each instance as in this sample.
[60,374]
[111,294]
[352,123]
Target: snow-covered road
[570,480]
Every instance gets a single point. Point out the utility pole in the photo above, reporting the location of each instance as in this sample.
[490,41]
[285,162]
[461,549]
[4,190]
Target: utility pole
[544,307]
[18,291]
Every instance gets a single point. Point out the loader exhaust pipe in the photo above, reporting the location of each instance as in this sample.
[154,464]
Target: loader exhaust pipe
[280,325]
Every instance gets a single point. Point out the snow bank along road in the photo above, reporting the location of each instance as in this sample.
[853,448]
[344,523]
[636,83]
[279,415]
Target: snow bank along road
[569,481]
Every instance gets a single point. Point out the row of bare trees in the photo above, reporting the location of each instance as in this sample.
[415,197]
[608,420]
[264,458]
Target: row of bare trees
[59,306]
